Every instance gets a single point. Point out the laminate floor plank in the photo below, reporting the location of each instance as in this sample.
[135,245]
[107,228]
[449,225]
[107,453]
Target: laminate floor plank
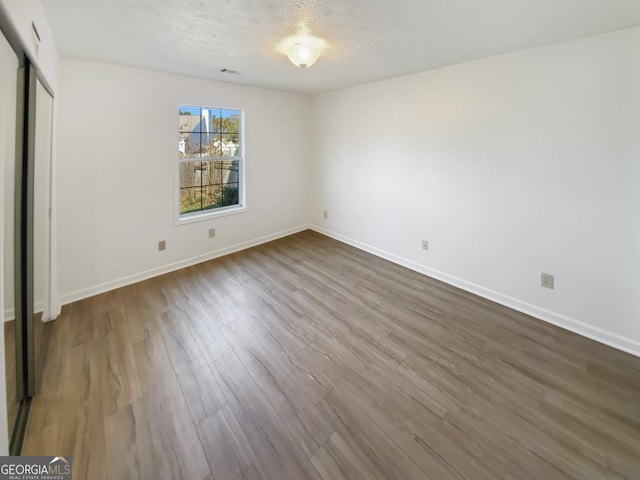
[129,446]
[540,434]
[347,365]
[227,449]
[120,385]
[474,457]
[81,422]
[200,390]
[293,407]
[46,406]
[156,298]
[142,321]
[287,362]
[410,430]
[205,333]
[276,450]
[340,458]
[466,437]
[155,371]
[372,442]
[328,466]
[179,339]
[572,456]
[621,468]
[305,358]
[178,452]
[603,431]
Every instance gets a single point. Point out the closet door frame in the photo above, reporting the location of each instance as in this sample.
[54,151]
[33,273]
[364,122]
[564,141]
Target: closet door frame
[28,76]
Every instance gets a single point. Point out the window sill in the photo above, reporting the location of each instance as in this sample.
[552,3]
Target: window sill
[203,216]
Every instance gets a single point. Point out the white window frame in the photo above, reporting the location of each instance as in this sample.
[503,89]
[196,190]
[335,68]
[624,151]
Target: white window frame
[220,211]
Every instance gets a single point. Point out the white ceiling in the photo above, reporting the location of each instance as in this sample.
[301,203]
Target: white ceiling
[369,40]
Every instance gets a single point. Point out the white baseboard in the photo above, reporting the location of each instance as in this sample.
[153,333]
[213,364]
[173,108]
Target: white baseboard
[154,272]
[608,338]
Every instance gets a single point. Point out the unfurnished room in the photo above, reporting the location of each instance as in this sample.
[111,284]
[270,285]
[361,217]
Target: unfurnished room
[327,240]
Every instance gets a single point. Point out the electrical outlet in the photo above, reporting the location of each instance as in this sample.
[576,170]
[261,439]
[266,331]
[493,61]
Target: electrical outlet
[325,214]
[212,232]
[162,245]
[425,245]
[546,280]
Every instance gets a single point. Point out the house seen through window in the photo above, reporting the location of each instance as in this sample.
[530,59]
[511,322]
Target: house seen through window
[209,158]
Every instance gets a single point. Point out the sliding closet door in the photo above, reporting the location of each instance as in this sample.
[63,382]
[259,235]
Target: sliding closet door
[8,132]
[41,219]
[26,114]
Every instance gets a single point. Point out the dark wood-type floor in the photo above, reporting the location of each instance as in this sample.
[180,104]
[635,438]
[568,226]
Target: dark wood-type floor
[307,359]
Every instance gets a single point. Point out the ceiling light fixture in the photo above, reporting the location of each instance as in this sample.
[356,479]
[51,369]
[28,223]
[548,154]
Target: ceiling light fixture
[302,50]
[303,54]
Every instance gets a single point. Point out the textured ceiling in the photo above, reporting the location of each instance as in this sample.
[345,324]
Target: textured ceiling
[369,40]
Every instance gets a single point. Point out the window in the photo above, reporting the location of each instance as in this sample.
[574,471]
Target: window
[210,160]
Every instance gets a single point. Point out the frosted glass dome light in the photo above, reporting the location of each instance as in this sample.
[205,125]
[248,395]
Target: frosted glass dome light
[302,50]
[303,55]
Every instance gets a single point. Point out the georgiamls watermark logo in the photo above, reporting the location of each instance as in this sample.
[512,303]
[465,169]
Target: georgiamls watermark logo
[35,468]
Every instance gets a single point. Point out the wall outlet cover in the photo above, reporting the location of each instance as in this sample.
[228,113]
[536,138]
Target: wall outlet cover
[546,280]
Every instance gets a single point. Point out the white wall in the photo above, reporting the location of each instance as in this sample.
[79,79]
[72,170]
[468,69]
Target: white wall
[116,166]
[508,166]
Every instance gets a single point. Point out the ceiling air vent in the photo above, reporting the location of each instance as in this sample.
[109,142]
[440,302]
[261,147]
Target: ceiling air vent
[229,71]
